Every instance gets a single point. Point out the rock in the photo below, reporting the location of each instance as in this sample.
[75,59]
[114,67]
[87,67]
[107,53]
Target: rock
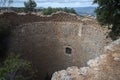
[93,63]
[64,76]
[117,59]
[111,46]
[83,71]
[104,67]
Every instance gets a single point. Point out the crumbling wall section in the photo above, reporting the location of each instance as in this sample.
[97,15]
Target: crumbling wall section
[43,40]
[104,67]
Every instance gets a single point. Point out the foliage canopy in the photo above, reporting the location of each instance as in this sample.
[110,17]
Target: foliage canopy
[108,13]
[30,5]
[49,10]
[13,68]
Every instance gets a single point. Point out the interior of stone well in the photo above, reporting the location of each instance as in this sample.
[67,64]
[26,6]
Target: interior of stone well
[53,46]
[54,42]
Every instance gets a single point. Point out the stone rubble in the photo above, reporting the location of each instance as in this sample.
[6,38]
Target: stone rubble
[104,67]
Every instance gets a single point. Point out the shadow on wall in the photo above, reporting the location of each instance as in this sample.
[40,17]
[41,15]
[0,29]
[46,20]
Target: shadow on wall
[53,46]
[48,76]
[53,43]
[5,30]
[68,50]
[43,45]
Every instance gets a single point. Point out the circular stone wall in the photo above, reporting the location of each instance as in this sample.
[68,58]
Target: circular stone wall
[52,46]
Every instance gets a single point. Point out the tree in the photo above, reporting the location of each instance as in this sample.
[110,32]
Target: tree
[72,11]
[66,9]
[108,13]
[30,5]
[13,68]
[49,10]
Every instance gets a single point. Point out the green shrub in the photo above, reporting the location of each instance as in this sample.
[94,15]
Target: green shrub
[15,68]
[108,13]
[49,10]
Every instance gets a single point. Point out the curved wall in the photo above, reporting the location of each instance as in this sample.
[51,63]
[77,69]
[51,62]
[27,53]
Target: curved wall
[43,41]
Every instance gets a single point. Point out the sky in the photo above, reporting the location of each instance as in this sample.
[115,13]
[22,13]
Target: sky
[56,3]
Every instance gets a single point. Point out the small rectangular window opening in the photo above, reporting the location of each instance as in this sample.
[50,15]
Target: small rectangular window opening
[68,50]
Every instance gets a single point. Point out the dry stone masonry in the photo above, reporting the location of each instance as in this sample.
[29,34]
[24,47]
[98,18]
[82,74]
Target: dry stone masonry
[104,67]
[57,41]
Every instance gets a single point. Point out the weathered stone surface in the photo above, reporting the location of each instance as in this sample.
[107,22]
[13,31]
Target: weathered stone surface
[104,67]
[43,40]
[113,46]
